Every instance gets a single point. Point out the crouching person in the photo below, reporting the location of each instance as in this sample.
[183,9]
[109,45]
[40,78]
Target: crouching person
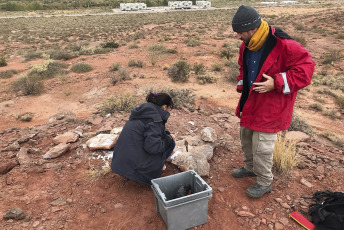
[144,143]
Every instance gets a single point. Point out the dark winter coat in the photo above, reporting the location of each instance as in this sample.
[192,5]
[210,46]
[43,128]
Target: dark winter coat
[291,66]
[139,153]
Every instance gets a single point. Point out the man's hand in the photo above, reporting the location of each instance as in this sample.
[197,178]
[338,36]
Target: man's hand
[266,86]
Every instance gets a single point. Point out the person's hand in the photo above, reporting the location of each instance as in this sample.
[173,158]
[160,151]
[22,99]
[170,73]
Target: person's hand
[266,86]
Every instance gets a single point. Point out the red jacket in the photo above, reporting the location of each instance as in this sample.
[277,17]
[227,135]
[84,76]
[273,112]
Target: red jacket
[291,66]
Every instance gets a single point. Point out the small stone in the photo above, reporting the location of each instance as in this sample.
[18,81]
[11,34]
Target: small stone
[285,205]
[284,221]
[306,183]
[119,205]
[35,224]
[279,200]
[221,189]
[245,214]
[288,197]
[278,226]
[14,213]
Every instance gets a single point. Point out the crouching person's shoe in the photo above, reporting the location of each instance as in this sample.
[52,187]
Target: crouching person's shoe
[242,172]
[258,190]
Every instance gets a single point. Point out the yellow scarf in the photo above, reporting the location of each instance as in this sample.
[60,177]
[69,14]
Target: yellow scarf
[259,37]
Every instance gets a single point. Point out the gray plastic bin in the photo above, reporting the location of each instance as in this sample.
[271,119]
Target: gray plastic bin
[184,212]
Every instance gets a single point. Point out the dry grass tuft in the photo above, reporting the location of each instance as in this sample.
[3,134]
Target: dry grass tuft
[285,156]
[95,173]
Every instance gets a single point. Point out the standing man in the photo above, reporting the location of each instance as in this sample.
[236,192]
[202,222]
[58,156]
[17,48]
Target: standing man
[273,67]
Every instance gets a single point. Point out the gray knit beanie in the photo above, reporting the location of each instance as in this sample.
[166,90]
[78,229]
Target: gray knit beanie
[246,18]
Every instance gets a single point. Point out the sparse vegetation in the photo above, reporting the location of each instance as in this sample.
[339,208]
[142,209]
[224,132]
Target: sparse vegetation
[217,67]
[3,61]
[81,68]
[285,156]
[25,117]
[117,104]
[199,68]
[336,139]
[179,72]
[182,98]
[48,69]
[316,107]
[7,73]
[340,102]
[110,44]
[207,78]
[133,63]
[299,124]
[115,67]
[28,85]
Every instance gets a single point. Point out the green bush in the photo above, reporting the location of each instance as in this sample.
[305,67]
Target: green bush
[110,44]
[115,67]
[117,104]
[217,67]
[226,54]
[206,78]
[340,102]
[7,73]
[179,72]
[182,98]
[28,85]
[133,46]
[33,55]
[133,63]
[62,55]
[192,43]
[299,124]
[199,68]
[81,68]
[3,62]
[48,69]
[316,107]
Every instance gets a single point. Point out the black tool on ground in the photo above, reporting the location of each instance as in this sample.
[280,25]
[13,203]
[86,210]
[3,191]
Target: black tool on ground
[328,210]
[183,191]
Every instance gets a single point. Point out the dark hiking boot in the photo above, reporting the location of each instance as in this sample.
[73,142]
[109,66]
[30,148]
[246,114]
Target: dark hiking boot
[258,190]
[242,172]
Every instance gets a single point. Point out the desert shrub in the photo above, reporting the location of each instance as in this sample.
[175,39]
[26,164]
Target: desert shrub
[171,51]
[226,54]
[233,70]
[332,56]
[28,85]
[316,107]
[206,78]
[62,55]
[81,68]
[336,139]
[7,73]
[182,98]
[115,67]
[117,104]
[100,50]
[334,81]
[33,55]
[179,71]
[95,173]
[110,44]
[332,113]
[340,102]
[48,69]
[299,26]
[192,43]
[199,68]
[139,35]
[123,74]
[285,156]
[133,46]
[299,124]
[3,61]
[25,117]
[133,63]
[217,67]
[301,40]
[327,92]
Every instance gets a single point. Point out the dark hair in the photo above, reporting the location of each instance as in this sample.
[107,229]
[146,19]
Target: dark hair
[160,99]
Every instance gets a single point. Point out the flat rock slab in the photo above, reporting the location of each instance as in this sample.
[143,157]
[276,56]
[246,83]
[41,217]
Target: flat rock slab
[102,141]
[57,151]
[68,137]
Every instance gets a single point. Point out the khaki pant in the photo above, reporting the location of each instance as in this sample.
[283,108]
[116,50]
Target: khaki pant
[258,148]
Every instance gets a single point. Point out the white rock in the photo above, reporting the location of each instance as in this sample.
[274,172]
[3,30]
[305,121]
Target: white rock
[57,151]
[116,130]
[208,134]
[102,141]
